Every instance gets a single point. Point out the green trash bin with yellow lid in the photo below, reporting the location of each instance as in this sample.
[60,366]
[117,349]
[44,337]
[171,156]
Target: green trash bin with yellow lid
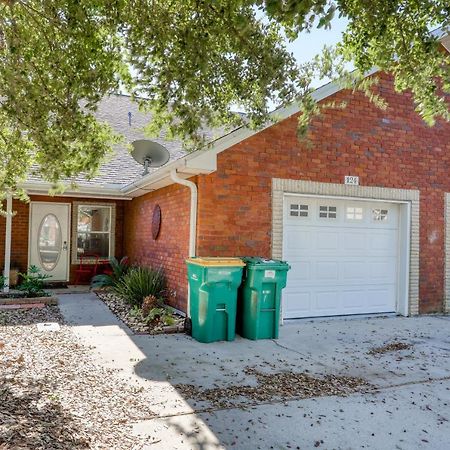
[213,284]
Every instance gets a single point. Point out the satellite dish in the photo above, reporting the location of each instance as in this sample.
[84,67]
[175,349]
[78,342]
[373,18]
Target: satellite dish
[149,154]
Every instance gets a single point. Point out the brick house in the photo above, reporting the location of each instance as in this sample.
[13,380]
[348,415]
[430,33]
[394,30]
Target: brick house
[361,214]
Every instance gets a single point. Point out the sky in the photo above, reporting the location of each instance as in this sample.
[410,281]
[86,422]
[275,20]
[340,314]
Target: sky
[310,44]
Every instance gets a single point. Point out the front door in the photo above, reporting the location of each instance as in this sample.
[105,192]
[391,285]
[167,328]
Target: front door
[49,239]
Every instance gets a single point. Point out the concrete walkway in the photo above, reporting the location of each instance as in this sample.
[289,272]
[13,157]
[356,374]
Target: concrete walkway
[410,409]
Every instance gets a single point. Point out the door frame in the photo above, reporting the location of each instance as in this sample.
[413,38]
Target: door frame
[69,240]
[408,273]
[403,251]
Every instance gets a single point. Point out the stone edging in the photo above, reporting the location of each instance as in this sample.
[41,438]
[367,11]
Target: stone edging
[28,300]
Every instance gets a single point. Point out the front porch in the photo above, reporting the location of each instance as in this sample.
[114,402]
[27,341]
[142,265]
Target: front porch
[69,239]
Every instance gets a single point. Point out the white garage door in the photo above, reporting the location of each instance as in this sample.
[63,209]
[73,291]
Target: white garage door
[343,254]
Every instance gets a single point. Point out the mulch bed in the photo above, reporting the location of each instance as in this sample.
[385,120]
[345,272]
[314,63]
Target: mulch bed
[137,324]
[53,395]
[275,386]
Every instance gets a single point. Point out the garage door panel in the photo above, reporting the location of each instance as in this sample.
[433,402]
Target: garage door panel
[353,300]
[298,241]
[383,242]
[381,270]
[327,301]
[327,240]
[354,242]
[300,270]
[344,262]
[327,270]
[298,302]
[381,298]
[353,271]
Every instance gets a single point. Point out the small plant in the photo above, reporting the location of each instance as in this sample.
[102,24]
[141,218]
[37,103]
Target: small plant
[163,314]
[138,283]
[159,315]
[149,303]
[2,282]
[119,269]
[33,283]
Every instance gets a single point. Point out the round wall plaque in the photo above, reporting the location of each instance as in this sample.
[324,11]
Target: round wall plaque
[156,222]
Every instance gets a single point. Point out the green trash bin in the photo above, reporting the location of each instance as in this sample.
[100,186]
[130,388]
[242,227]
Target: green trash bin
[260,298]
[213,284]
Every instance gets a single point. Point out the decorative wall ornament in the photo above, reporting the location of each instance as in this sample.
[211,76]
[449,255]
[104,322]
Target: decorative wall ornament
[156,222]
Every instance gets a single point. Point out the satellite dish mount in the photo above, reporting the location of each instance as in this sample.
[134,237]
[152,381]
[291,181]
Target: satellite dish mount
[147,164]
[149,154]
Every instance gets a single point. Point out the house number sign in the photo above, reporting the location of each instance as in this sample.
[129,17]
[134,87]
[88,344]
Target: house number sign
[351,179]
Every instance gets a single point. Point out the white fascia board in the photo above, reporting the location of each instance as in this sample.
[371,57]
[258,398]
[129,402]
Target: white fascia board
[104,192]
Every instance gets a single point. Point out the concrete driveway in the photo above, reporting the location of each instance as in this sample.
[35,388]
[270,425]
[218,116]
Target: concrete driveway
[405,406]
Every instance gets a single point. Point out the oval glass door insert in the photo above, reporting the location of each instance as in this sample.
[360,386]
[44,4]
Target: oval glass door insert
[49,242]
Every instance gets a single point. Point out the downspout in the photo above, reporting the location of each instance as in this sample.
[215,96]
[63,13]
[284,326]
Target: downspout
[8,242]
[192,221]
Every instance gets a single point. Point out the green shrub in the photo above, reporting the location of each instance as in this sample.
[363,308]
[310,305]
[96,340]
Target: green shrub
[119,269]
[33,283]
[138,283]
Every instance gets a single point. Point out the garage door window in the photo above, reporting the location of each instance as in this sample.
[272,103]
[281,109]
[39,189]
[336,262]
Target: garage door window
[379,215]
[354,213]
[297,210]
[328,212]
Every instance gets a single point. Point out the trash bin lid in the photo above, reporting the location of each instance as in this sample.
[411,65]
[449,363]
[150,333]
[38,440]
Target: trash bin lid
[255,261]
[216,262]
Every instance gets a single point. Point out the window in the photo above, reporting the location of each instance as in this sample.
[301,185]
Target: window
[298,210]
[49,242]
[379,215]
[354,213]
[327,212]
[94,231]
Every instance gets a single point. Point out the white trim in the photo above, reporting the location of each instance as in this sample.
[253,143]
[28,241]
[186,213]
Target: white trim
[69,210]
[7,260]
[408,296]
[192,224]
[100,191]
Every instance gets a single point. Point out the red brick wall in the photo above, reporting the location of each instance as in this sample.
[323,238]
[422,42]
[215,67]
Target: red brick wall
[172,246]
[392,148]
[20,224]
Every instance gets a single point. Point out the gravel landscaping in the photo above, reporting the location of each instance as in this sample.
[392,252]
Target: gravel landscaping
[53,395]
[136,322]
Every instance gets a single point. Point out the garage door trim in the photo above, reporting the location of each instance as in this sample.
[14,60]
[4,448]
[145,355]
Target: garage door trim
[408,200]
